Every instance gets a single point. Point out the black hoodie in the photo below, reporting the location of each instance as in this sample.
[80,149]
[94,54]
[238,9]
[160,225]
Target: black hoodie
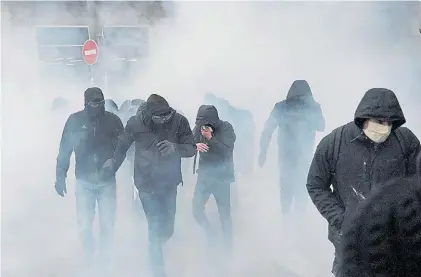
[218,161]
[93,138]
[153,171]
[383,236]
[362,164]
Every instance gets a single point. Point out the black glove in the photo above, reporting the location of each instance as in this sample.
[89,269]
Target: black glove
[166,147]
[60,186]
[107,170]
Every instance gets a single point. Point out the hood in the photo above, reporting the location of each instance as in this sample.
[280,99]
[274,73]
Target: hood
[207,115]
[93,94]
[94,102]
[379,103]
[157,105]
[299,90]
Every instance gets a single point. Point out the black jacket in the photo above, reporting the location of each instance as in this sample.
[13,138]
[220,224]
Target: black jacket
[382,237]
[93,142]
[218,161]
[243,123]
[361,164]
[152,171]
[297,118]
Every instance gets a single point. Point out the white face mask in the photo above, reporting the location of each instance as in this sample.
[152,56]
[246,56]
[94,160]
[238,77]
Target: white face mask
[377,132]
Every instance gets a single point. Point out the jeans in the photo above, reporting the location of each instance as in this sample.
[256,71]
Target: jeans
[87,194]
[159,208]
[221,190]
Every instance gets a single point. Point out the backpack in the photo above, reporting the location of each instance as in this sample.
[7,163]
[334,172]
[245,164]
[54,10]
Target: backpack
[337,140]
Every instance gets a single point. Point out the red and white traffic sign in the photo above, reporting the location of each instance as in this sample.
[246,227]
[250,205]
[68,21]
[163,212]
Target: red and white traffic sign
[90,52]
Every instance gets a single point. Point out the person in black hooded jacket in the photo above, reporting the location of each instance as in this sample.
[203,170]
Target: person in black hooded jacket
[383,236]
[358,157]
[297,118]
[162,137]
[215,142]
[92,134]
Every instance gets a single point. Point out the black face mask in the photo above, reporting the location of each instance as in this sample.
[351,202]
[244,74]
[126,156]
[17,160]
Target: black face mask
[95,108]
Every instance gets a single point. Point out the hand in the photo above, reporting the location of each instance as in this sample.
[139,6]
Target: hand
[107,170]
[202,147]
[60,186]
[262,159]
[166,147]
[207,132]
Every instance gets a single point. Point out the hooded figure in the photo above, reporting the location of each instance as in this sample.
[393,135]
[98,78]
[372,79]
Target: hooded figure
[94,103]
[92,134]
[297,118]
[129,109]
[359,157]
[162,137]
[111,106]
[243,124]
[215,142]
[383,236]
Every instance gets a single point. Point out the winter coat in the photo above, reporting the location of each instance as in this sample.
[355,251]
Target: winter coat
[153,171]
[361,164]
[243,123]
[218,161]
[382,237]
[93,142]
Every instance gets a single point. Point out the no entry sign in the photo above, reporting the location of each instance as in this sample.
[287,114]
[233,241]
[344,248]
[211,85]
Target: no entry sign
[90,52]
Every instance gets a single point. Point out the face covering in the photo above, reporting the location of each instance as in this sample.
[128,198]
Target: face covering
[377,132]
[95,108]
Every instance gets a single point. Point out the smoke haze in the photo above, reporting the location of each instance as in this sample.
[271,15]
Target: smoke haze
[247,52]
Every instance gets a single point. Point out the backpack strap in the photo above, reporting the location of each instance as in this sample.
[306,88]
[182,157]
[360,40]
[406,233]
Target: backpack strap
[404,146]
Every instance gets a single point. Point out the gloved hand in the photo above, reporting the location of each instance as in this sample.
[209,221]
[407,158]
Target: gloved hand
[262,159]
[107,170]
[60,186]
[166,147]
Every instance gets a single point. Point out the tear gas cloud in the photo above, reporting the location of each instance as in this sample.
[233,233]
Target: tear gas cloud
[247,52]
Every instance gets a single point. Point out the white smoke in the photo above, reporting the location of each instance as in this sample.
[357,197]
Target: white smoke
[247,52]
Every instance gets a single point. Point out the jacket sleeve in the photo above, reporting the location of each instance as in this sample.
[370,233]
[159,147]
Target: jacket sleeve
[414,153]
[118,130]
[66,149]
[222,143]
[319,182]
[125,140]
[268,130]
[186,146]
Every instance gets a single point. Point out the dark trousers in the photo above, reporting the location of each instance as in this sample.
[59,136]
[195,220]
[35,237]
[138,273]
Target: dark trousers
[221,190]
[87,195]
[159,208]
